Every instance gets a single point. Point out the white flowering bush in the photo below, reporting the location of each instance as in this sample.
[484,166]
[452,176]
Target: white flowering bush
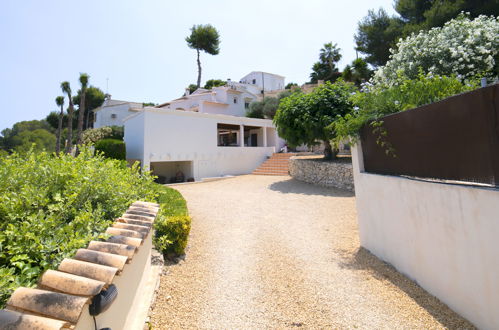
[462,47]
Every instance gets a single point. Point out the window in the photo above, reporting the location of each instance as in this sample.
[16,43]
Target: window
[254,81]
[235,99]
[246,105]
[113,115]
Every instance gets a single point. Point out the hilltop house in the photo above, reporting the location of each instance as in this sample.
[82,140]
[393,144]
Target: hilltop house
[204,134]
[113,112]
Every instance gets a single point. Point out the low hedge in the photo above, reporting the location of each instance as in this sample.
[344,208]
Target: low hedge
[112,148]
[173,224]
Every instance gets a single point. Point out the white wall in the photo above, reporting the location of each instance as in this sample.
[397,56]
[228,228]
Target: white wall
[170,135]
[444,236]
[104,116]
[272,82]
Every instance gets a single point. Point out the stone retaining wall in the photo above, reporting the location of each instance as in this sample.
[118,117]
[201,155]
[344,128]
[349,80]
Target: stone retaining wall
[337,174]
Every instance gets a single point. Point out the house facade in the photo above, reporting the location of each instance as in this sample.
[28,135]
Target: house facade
[204,134]
[113,112]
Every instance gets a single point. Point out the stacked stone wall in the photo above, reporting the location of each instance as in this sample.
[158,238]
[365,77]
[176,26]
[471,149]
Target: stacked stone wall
[337,174]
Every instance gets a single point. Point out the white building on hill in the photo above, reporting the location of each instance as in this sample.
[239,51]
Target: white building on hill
[204,134]
[114,112]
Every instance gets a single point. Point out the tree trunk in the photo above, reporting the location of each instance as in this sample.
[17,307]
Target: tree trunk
[69,145]
[329,153]
[59,131]
[81,115]
[199,70]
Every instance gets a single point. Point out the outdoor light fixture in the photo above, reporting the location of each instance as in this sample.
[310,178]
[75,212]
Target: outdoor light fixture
[102,301]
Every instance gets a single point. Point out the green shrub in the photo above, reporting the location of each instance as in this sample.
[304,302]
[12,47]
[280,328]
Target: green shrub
[173,223]
[52,205]
[375,102]
[112,148]
[93,135]
[171,234]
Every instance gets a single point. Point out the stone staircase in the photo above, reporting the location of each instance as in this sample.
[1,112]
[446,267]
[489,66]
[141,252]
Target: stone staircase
[277,164]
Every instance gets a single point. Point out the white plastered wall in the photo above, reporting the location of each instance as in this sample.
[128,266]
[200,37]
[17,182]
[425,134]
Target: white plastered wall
[170,135]
[443,236]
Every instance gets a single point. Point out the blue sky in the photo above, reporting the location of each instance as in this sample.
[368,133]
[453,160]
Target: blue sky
[139,45]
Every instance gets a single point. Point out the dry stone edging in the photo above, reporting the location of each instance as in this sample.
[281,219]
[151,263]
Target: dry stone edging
[323,173]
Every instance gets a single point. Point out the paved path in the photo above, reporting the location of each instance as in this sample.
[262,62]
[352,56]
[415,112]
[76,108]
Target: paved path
[272,252]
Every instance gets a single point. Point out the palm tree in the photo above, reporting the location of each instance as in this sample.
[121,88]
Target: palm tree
[60,102]
[203,38]
[66,88]
[81,111]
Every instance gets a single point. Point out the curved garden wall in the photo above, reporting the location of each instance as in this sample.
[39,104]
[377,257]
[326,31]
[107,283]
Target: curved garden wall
[337,174]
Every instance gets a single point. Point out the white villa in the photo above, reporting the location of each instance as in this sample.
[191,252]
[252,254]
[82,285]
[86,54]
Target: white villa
[204,134]
[113,112]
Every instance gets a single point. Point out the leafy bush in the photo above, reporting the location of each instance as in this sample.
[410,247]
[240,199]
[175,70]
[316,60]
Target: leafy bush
[112,148]
[305,118]
[377,101]
[93,135]
[52,205]
[462,47]
[173,223]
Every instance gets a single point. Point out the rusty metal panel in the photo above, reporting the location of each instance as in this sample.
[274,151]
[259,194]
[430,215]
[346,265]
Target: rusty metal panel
[453,139]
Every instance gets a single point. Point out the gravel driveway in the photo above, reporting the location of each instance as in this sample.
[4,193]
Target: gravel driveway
[272,252]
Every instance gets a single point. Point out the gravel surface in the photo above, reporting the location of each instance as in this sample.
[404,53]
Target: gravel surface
[272,252]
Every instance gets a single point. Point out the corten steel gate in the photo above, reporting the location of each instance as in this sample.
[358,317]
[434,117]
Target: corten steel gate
[454,139]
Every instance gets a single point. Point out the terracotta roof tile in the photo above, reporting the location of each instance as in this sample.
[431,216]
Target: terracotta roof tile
[138,212]
[121,249]
[124,232]
[101,258]
[135,222]
[144,230]
[120,239]
[16,320]
[69,283]
[88,269]
[138,217]
[51,304]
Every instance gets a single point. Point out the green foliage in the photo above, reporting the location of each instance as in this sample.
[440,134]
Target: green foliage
[93,135]
[291,85]
[205,38]
[173,223]
[53,119]
[326,69]
[94,97]
[38,140]
[378,32]
[23,134]
[463,47]
[358,72]
[52,205]
[305,118]
[149,104]
[267,107]
[214,83]
[192,88]
[112,148]
[377,101]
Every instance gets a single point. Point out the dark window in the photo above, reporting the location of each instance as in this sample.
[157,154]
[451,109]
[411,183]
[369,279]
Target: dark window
[235,100]
[246,105]
[113,115]
[254,81]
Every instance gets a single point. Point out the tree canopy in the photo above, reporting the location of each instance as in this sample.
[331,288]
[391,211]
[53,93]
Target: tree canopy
[203,38]
[214,83]
[23,134]
[326,69]
[305,118]
[378,31]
